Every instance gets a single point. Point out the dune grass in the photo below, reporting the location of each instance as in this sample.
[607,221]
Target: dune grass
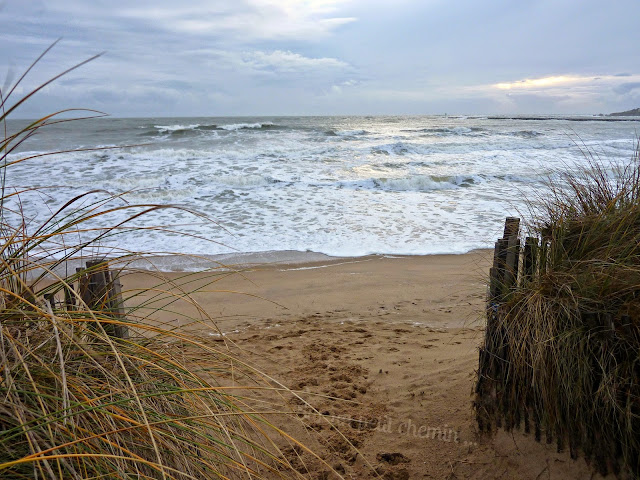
[573,330]
[81,400]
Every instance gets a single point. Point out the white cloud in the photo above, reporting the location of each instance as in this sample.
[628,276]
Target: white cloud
[543,82]
[564,82]
[556,93]
[286,61]
[246,20]
[340,88]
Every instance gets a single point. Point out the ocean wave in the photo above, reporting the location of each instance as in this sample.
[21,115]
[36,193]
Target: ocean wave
[526,133]
[512,178]
[404,165]
[247,126]
[397,148]
[426,183]
[245,181]
[402,148]
[346,133]
[179,130]
[447,131]
[174,128]
[422,183]
[195,128]
[211,126]
[415,183]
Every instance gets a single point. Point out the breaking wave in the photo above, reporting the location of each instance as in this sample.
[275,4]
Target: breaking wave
[192,129]
[415,183]
[243,126]
[346,133]
[447,131]
[526,134]
[422,183]
[401,148]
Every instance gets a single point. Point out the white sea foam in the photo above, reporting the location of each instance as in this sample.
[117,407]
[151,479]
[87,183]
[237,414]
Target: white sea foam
[425,182]
[173,128]
[241,126]
[351,133]
[244,181]
[397,148]
[460,130]
[385,185]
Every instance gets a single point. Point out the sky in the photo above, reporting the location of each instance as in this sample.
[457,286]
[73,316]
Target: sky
[325,57]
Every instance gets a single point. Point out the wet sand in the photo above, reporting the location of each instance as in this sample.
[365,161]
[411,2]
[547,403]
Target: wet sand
[387,347]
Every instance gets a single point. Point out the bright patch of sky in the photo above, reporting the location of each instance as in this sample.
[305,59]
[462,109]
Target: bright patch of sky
[327,57]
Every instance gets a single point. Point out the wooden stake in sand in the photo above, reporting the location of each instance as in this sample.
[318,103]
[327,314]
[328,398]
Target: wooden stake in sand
[101,289]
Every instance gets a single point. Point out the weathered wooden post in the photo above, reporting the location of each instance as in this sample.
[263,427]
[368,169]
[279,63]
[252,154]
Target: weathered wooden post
[512,255]
[530,258]
[511,268]
[101,290]
[495,282]
[69,298]
[492,361]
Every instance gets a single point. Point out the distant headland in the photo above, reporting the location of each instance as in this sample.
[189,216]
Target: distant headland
[629,113]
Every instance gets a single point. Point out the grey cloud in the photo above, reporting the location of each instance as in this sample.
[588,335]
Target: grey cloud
[625,88]
[272,57]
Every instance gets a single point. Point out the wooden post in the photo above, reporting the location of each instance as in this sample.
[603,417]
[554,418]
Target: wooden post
[529,258]
[502,350]
[495,282]
[69,298]
[511,227]
[102,291]
[511,262]
[503,245]
[115,301]
[493,376]
[545,248]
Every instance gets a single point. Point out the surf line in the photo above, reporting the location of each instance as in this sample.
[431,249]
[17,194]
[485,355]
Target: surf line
[325,266]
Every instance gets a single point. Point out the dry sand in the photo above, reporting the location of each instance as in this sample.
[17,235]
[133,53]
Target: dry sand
[391,346]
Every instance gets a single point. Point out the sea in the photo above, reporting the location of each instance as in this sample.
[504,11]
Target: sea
[343,186]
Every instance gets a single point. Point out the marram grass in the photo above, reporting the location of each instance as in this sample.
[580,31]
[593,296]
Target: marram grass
[78,402]
[572,333]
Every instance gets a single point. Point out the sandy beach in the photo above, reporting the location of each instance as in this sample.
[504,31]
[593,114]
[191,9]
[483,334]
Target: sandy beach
[388,348]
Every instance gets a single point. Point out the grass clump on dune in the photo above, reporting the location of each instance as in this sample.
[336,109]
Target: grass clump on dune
[573,330]
[82,400]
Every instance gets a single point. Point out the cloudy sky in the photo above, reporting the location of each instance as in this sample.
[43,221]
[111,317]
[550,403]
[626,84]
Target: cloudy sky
[324,57]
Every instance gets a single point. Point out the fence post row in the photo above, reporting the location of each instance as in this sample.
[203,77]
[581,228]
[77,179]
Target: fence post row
[504,394]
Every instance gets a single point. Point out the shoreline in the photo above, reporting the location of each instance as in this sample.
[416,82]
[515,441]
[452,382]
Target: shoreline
[192,263]
[237,261]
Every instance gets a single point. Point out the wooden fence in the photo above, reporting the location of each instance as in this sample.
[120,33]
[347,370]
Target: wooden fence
[97,288]
[510,266]
[508,393]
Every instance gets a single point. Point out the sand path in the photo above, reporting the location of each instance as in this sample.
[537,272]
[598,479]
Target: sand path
[386,348]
